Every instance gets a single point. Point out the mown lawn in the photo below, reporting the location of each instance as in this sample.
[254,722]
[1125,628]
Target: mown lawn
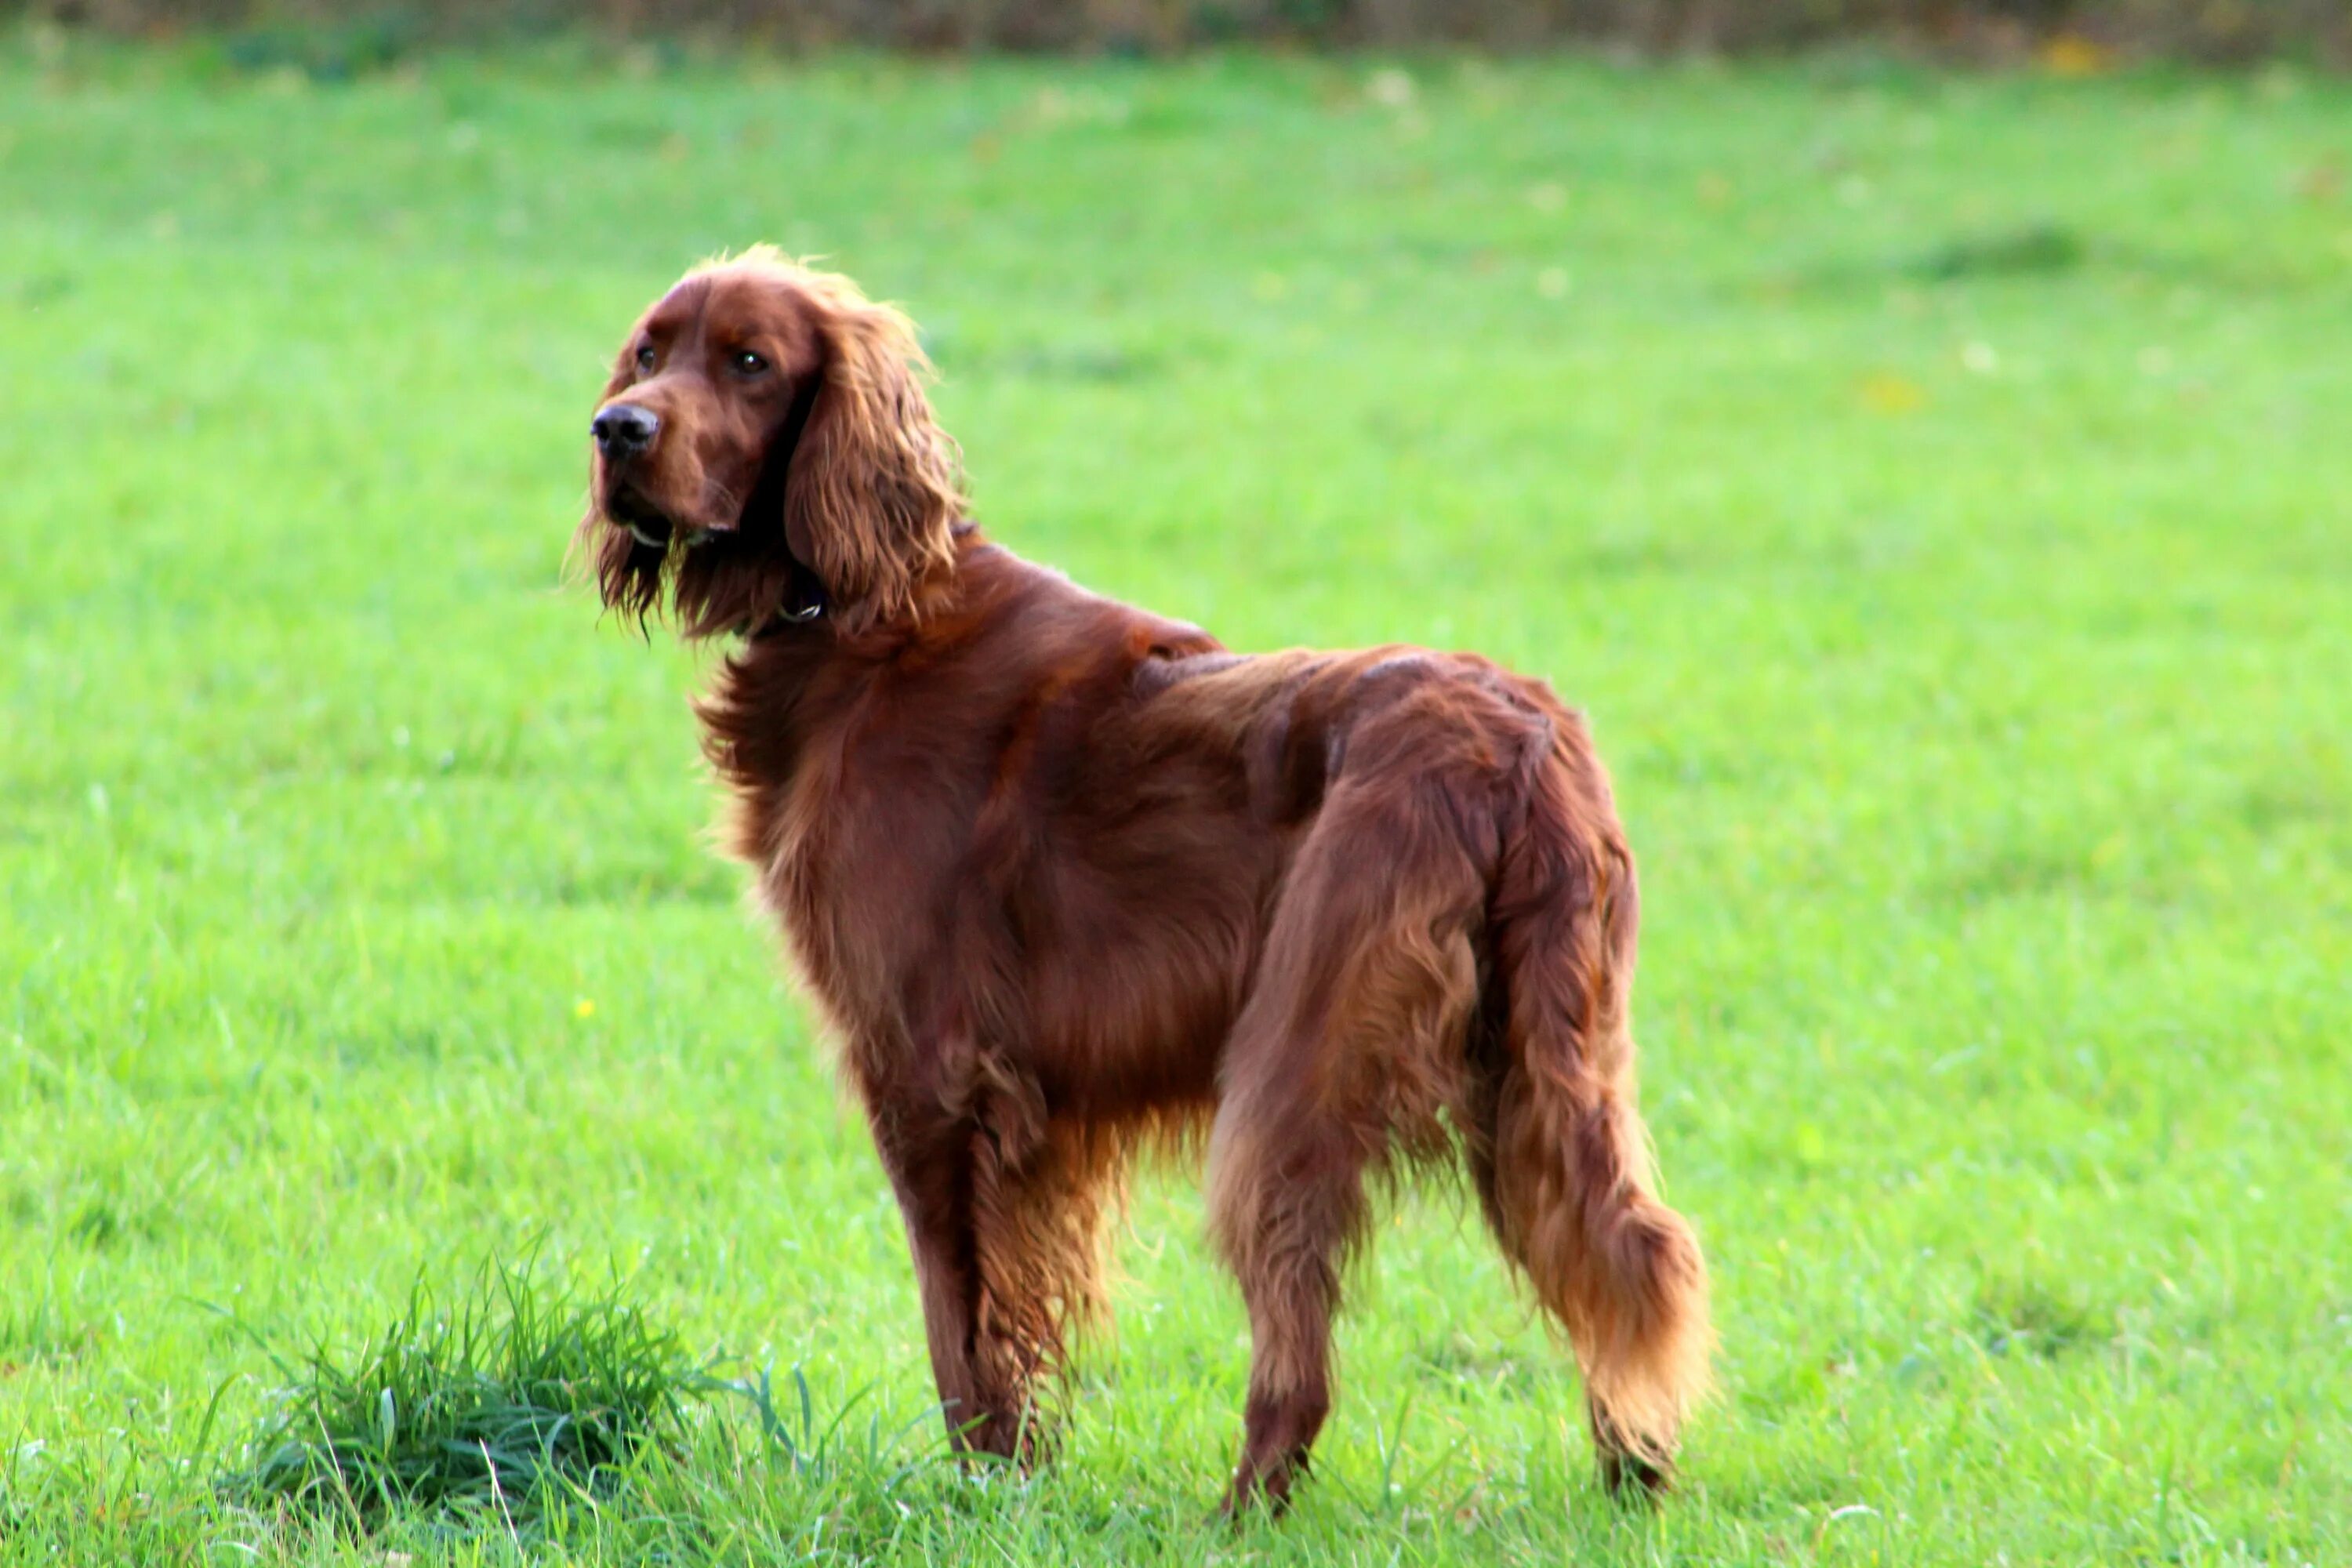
[1934,487]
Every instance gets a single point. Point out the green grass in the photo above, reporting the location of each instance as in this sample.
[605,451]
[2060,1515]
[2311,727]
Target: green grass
[486,1406]
[1934,486]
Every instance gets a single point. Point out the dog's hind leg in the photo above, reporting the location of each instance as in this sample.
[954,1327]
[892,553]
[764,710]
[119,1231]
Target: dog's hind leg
[1348,1046]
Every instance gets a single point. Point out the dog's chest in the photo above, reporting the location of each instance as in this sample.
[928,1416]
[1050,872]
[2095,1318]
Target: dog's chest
[858,854]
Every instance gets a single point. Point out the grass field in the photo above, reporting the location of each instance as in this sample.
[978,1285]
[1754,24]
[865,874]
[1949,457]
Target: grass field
[1934,487]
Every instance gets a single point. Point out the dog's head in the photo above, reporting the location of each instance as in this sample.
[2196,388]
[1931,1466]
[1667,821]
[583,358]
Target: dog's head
[764,450]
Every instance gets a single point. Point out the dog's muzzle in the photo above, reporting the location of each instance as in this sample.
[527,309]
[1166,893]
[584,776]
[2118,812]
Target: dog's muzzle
[625,429]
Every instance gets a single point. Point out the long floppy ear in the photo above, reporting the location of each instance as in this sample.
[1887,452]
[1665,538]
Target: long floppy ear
[871,497]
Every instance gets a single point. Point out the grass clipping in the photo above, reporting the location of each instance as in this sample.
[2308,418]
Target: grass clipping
[518,1391]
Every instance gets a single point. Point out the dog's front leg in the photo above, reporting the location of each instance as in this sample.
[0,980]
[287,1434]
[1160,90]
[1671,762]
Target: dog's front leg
[1003,1210]
[930,1171]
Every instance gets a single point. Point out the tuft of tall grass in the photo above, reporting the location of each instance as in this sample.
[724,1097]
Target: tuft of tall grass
[492,1402]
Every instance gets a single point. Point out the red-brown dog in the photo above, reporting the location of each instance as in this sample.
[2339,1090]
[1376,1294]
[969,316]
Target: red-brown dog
[1064,875]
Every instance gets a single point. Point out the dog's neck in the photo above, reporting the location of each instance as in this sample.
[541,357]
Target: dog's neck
[806,606]
[790,682]
[804,602]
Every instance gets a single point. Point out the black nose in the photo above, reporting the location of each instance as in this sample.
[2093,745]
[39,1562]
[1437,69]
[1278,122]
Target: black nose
[625,429]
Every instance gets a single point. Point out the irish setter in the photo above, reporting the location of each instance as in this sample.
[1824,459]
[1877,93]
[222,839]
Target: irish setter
[1066,878]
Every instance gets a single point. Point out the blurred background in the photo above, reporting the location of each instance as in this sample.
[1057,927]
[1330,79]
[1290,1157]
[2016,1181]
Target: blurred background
[2212,30]
[1915,434]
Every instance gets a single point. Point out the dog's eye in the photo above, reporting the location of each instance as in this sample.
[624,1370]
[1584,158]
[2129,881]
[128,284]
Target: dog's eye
[645,356]
[746,362]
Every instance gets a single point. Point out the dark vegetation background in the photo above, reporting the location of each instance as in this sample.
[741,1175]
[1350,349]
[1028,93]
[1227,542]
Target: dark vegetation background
[2080,31]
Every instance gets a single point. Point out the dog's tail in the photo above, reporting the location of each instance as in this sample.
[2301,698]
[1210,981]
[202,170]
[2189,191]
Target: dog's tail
[1571,1194]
